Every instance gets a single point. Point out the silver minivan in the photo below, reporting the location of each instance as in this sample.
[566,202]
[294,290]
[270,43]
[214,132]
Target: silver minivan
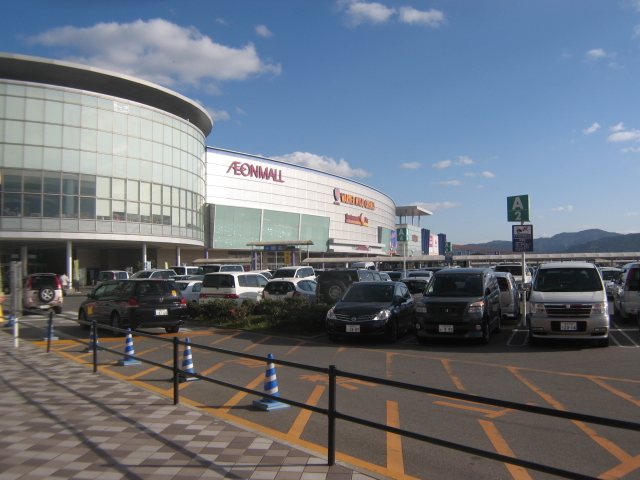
[626,294]
[232,285]
[568,301]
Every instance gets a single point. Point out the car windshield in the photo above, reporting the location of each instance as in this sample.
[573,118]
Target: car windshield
[284,273]
[156,288]
[218,280]
[278,287]
[610,274]
[415,287]
[182,285]
[515,270]
[455,285]
[142,274]
[503,284]
[204,269]
[568,280]
[369,293]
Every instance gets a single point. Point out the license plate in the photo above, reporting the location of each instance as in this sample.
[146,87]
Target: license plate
[353,328]
[445,328]
[162,311]
[568,326]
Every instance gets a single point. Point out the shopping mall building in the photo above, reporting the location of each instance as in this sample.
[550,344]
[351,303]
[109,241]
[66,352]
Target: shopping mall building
[104,171]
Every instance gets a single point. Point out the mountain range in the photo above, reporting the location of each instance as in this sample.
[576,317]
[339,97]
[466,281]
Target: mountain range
[586,241]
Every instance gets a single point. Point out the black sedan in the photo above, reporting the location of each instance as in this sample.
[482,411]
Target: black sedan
[372,309]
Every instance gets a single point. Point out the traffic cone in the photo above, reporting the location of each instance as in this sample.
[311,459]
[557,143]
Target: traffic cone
[271,388]
[92,334]
[128,350]
[187,365]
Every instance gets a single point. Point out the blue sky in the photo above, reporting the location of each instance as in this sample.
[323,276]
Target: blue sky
[453,105]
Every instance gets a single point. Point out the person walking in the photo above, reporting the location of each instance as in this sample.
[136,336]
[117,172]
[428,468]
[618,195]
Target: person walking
[64,281]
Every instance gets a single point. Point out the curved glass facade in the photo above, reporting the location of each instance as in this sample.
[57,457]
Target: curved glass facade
[78,161]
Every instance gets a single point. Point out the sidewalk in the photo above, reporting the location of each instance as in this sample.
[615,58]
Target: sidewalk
[58,420]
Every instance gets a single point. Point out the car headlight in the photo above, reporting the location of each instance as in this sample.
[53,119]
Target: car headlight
[331,315]
[383,315]
[537,309]
[421,308]
[599,309]
[476,307]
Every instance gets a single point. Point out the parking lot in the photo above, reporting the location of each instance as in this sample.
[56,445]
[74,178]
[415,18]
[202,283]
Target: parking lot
[574,377]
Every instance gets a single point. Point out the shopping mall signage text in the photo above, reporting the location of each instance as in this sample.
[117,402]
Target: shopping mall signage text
[352,200]
[256,171]
[356,220]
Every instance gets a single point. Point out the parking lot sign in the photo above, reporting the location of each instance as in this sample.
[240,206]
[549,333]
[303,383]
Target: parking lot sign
[522,238]
[518,209]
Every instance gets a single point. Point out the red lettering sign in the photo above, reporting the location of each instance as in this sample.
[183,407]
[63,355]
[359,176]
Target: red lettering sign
[256,171]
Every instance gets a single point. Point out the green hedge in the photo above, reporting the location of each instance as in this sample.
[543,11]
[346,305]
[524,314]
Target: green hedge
[290,315]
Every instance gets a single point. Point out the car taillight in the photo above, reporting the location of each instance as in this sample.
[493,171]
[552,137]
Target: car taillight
[296,294]
[183,302]
[132,302]
[58,282]
[231,295]
[30,283]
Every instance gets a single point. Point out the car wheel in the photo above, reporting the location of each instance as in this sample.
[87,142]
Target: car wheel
[334,291]
[392,334]
[116,322]
[174,329]
[603,342]
[46,294]
[82,316]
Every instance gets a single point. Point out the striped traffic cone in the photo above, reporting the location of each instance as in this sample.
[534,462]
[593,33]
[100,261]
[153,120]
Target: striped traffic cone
[271,388]
[93,340]
[187,365]
[128,350]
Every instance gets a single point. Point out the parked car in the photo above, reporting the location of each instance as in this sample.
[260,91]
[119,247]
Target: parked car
[136,303]
[264,273]
[332,284]
[278,289]
[609,277]
[155,273]
[367,265]
[214,268]
[190,289]
[416,287]
[424,274]
[42,291]
[515,269]
[459,303]
[295,272]
[568,301]
[395,275]
[107,275]
[385,277]
[626,295]
[372,309]
[510,298]
[184,270]
[232,285]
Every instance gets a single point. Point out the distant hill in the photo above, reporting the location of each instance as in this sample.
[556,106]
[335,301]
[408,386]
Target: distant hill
[594,240]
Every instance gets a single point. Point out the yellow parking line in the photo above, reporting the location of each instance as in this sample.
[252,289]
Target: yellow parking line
[395,460]
[303,417]
[240,395]
[615,391]
[456,381]
[501,446]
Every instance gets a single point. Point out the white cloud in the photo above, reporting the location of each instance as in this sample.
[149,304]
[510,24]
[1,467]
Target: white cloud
[464,160]
[432,18]
[470,174]
[624,136]
[411,165]
[325,164]
[617,128]
[218,115]
[158,51]
[596,54]
[263,31]
[568,208]
[486,174]
[591,129]
[438,206]
[630,150]
[449,183]
[442,164]
[363,12]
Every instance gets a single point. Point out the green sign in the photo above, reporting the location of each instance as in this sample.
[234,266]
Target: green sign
[403,235]
[518,209]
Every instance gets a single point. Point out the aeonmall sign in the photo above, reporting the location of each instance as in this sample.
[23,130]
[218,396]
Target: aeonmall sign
[256,171]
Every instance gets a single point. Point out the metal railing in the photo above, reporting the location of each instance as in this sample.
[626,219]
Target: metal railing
[331,412]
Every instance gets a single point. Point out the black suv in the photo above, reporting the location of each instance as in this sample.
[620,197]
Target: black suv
[333,283]
[459,303]
[136,303]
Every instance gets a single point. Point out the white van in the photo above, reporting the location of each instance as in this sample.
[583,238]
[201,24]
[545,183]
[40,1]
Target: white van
[367,265]
[213,268]
[568,300]
[238,286]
